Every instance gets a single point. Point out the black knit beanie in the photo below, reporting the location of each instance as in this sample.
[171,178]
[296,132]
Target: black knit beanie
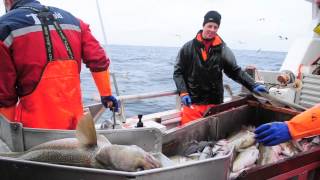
[212,16]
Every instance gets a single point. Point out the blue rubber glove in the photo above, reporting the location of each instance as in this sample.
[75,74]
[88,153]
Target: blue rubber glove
[186,100]
[260,89]
[110,102]
[272,134]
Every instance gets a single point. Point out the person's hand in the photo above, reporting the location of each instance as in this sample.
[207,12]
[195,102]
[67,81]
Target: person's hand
[260,89]
[186,100]
[272,134]
[110,102]
[127,158]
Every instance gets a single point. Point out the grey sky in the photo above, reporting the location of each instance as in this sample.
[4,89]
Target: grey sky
[246,24]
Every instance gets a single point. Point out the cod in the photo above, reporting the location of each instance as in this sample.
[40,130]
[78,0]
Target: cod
[89,150]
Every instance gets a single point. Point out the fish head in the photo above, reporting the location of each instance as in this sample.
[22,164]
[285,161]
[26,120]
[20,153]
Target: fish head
[126,158]
[247,140]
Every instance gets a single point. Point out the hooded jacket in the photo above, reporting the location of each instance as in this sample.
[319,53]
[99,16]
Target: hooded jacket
[202,78]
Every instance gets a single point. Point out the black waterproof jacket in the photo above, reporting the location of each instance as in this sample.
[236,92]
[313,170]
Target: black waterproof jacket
[203,79]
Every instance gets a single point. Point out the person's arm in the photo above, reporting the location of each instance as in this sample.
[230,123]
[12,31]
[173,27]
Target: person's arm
[232,70]
[98,62]
[179,70]
[8,96]
[93,54]
[305,124]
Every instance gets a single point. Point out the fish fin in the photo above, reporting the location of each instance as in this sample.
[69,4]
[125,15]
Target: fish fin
[102,140]
[12,154]
[86,132]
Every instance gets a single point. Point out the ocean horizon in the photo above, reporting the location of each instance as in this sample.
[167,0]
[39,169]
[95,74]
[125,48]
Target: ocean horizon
[144,69]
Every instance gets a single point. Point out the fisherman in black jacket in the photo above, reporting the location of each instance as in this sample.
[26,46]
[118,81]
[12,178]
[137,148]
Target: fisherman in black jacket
[198,70]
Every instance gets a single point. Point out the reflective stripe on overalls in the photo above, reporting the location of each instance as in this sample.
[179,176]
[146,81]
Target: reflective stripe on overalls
[56,101]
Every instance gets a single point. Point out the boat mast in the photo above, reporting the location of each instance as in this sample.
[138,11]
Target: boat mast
[105,48]
[102,25]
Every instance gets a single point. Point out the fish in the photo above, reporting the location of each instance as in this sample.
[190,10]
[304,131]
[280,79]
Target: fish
[303,145]
[245,159]
[241,173]
[194,156]
[306,144]
[241,140]
[206,153]
[89,150]
[215,149]
[288,149]
[178,159]
[269,154]
[195,146]
[221,148]
[316,140]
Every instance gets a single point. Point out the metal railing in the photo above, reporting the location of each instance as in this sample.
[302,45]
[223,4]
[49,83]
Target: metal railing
[97,110]
[125,98]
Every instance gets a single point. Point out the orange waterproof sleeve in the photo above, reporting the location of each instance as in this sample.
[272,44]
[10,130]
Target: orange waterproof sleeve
[102,80]
[8,112]
[305,124]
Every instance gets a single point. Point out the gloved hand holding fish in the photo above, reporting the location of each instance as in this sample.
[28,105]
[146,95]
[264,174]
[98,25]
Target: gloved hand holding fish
[89,150]
[248,152]
[274,133]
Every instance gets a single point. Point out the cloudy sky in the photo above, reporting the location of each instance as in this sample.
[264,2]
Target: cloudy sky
[246,24]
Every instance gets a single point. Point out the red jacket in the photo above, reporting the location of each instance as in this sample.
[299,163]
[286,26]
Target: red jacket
[23,53]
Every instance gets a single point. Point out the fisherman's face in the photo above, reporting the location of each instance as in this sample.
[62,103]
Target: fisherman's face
[210,30]
[317,3]
[8,4]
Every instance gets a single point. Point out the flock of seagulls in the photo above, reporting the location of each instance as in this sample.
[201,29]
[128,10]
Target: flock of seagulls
[279,36]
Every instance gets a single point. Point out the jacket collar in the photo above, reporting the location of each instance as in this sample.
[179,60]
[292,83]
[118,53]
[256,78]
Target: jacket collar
[215,42]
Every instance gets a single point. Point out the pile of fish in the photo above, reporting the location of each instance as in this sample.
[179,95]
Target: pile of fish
[195,151]
[89,150]
[247,153]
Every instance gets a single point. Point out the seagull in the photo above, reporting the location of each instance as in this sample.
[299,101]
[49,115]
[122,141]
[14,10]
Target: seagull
[283,37]
[177,35]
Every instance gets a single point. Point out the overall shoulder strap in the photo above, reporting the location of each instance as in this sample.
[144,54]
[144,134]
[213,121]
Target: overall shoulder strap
[45,17]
